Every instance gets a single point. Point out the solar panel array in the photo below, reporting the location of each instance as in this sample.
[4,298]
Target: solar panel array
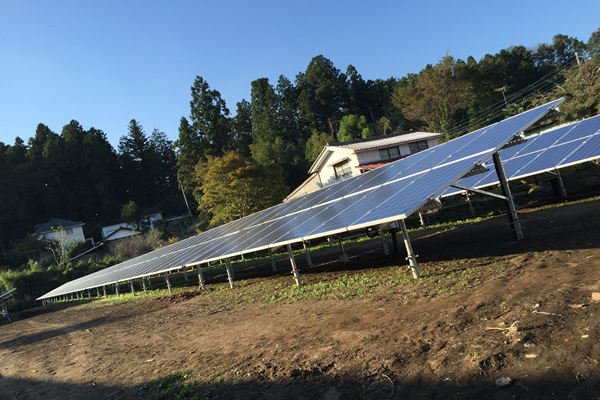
[568,145]
[386,194]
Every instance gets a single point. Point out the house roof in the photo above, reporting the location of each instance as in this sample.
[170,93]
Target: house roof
[372,143]
[385,140]
[55,223]
[121,228]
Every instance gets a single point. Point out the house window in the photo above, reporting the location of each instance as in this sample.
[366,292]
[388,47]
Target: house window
[418,146]
[342,169]
[70,231]
[387,154]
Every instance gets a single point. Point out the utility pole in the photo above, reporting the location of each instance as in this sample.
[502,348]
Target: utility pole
[503,89]
[184,197]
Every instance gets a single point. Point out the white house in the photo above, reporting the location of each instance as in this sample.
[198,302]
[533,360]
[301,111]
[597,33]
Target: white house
[117,231]
[340,161]
[62,230]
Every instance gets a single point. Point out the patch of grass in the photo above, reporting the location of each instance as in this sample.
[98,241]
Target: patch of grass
[177,385]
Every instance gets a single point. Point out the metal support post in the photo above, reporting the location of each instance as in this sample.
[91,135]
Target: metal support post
[168,282]
[273,265]
[141,283]
[132,288]
[422,221]
[5,310]
[185,274]
[470,204]
[201,283]
[149,281]
[144,286]
[558,187]
[386,250]
[344,257]
[104,290]
[394,240]
[98,292]
[229,271]
[412,258]
[308,260]
[512,216]
[117,288]
[89,295]
[295,270]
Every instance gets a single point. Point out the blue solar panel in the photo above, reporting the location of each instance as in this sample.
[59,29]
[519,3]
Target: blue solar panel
[567,145]
[391,192]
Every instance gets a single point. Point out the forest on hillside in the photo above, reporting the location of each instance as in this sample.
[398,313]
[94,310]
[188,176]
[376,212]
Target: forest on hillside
[270,140]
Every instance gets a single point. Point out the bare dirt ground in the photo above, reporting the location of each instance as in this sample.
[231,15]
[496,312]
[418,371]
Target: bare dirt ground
[532,320]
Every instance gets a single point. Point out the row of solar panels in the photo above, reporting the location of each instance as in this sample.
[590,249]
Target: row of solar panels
[389,193]
[569,145]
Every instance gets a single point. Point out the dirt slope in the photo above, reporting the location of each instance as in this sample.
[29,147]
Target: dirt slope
[534,321]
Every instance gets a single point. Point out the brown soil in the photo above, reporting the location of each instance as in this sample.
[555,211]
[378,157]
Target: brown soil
[535,323]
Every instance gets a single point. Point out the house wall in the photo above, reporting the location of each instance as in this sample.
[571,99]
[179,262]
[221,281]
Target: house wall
[370,156]
[107,230]
[123,233]
[327,173]
[69,238]
[310,185]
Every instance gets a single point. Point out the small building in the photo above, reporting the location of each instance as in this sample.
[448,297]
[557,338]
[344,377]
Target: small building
[120,233]
[109,230]
[150,215]
[65,231]
[340,161]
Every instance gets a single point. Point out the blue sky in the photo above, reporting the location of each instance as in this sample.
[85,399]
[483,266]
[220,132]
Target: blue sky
[104,63]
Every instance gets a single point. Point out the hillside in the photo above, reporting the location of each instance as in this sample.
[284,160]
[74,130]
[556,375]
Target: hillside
[486,308]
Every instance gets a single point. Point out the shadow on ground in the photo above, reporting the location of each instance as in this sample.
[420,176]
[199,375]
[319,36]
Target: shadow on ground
[314,385]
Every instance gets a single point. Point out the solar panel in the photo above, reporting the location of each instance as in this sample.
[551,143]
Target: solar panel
[386,194]
[559,148]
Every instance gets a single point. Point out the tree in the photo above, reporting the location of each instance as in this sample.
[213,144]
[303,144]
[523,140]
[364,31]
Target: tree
[316,143]
[322,89]
[581,91]
[437,93]
[207,133]
[269,142]
[132,214]
[149,166]
[593,45]
[354,127]
[288,113]
[234,187]
[134,152]
[241,128]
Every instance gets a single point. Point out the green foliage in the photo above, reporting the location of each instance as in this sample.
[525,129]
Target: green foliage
[34,280]
[207,133]
[176,385]
[24,249]
[315,145]
[148,165]
[354,127]
[582,91]
[434,96]
[234,187]
[321,94]
[593,45]
[132,214]
[516,108]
